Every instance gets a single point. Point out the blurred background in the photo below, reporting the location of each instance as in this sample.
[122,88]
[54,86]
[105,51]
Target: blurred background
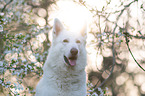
[115,43]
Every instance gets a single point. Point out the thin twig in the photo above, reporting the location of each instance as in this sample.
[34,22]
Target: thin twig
[6,6]
[126,38]
[137,37]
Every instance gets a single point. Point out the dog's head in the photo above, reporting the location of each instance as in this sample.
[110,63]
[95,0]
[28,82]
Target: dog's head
[69,45]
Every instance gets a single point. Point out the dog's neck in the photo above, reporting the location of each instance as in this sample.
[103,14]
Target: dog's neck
[69,72]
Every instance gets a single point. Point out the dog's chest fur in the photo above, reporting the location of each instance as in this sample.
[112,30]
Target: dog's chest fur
[66,80]
[65,84]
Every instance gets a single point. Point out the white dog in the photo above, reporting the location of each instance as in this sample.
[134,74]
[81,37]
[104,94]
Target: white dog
[64,69]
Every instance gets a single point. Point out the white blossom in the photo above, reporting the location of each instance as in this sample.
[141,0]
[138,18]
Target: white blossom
[3,84]
[8,82]
[101,91]
[1,63]
[1,81]
[95,94]
[1,28]
[29,66]
[1,14]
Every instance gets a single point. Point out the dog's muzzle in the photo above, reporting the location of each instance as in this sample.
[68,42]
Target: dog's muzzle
[71,60]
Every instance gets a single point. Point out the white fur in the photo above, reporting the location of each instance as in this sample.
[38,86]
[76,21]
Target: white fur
[60,79]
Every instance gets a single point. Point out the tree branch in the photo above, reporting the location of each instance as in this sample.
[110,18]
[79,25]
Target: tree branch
[113,49]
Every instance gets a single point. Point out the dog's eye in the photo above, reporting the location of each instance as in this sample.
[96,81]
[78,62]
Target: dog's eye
[65,41]
[78,41]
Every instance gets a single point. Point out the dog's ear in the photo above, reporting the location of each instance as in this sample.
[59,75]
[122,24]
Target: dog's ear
[84,30]
[57,27]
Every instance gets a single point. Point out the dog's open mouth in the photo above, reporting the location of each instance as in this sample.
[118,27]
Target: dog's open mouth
[70,61]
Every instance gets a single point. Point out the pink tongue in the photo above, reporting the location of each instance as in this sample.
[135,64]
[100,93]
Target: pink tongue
[72,62]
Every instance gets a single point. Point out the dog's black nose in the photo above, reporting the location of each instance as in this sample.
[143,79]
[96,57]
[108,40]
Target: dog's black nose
[74,51]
